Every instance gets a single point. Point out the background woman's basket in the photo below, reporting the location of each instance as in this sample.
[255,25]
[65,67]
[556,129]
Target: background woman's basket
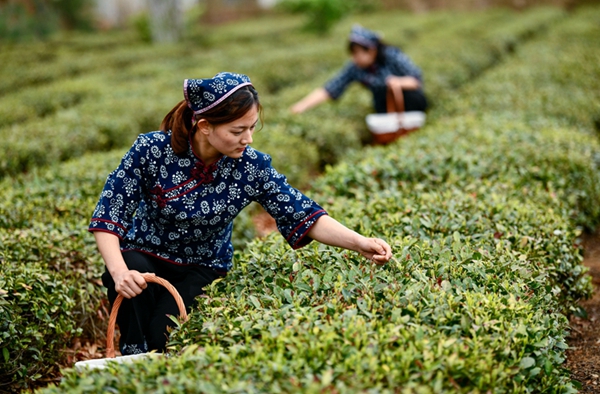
[388,127]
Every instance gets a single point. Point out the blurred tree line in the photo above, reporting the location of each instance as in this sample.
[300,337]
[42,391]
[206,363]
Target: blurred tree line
[166,20]
[25,19]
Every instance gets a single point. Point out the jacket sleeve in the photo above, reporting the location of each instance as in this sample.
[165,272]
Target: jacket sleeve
[401,65]
[122,192]
[294,212]
[338,84]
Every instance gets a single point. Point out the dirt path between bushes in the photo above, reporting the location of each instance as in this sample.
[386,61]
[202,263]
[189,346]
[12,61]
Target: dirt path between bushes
[583,356]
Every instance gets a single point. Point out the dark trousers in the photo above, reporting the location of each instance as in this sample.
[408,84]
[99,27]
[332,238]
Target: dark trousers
[414,100]
[143,320]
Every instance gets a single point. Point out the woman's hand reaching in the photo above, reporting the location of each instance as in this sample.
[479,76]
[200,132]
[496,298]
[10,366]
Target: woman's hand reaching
[329,231]
[375,249]
[313,99]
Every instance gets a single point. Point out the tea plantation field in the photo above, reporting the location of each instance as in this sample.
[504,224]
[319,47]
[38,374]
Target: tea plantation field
[483,208]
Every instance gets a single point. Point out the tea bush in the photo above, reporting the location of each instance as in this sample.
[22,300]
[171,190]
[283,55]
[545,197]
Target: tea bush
[36,320]
[49,287]
[488,202]
[556,164]
[48,296]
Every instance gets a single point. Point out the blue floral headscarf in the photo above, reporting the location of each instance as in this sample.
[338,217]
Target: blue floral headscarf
[203,94]
[365,37]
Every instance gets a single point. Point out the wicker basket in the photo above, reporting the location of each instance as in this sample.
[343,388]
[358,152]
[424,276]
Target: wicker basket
[388,127]
[101,363]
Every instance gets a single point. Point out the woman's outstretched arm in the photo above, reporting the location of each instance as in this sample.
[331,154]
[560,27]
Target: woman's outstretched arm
[313,99]
[330,232]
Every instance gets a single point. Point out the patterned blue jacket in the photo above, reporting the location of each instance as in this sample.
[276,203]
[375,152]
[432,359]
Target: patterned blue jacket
[175,208]
[396,63]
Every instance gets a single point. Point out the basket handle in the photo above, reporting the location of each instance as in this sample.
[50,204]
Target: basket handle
[150,278]
[394,101]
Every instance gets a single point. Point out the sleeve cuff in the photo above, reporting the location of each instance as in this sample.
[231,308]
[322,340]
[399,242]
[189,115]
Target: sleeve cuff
[298,237]
[332,94]
[107,226]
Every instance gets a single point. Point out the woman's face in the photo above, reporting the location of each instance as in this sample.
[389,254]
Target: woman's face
[362,57]
[231,139]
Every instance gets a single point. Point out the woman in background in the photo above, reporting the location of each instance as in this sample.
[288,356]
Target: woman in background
[380,68]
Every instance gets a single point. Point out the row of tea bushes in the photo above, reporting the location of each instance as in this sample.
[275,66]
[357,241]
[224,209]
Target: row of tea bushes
[451,313]
[566,89]
[482,212]
[38,63]
[49,287]
[320,321]
[506,165]
[46,299]
[128,90]
[482,45]
[59,58]
[504,151]
[102,119]
[29,104]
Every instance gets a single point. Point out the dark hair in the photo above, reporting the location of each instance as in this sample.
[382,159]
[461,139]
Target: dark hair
[179,119]
[379,58]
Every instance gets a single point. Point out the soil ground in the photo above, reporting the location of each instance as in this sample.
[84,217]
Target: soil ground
[583,356]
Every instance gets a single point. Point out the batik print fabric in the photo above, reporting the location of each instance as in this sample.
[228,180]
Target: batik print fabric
[179,210]
[396,63]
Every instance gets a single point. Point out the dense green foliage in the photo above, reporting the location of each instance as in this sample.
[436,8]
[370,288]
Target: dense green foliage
[49,290]
[68,104]
[482,208]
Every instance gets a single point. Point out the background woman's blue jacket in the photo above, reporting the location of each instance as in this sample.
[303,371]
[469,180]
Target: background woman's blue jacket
[396,63]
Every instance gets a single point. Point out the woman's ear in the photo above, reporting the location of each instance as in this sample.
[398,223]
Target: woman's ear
[204,126]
